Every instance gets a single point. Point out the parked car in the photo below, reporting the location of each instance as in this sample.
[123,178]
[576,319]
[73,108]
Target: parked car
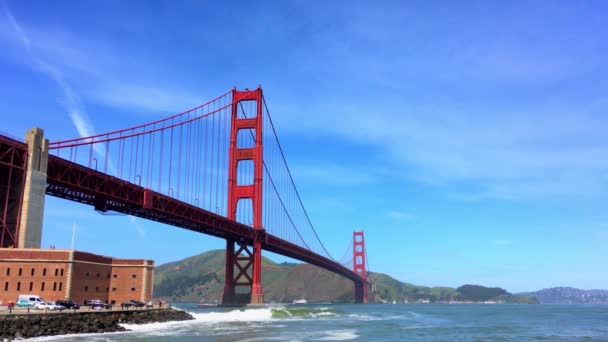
[32,299]
[138,303]
[59,306]
[24,303]
[129,304]
[97,304]
[68,304]
[48,306]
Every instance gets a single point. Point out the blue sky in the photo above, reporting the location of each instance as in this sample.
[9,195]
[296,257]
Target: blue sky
[468,140]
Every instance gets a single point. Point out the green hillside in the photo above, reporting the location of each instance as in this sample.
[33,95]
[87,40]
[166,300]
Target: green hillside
[201,277]
[389,289]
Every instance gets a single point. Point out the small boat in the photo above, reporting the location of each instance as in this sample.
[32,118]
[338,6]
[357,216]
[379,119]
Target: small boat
[206,305]
[300,301]
[394,301]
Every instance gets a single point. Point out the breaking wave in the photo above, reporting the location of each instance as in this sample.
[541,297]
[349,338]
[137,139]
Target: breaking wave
[287,312]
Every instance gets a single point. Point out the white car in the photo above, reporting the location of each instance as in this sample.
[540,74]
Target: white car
[47,306]
[58,306]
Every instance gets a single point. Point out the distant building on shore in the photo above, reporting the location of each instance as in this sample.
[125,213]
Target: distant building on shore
[56,274]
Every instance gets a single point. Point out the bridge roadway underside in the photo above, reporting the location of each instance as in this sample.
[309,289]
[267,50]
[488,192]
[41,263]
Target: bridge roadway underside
[78,183]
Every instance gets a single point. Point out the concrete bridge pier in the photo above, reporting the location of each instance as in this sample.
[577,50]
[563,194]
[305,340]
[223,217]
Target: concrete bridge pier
[32,210]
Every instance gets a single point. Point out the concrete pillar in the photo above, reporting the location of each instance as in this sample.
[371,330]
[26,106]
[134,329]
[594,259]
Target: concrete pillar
[144,285]
[30,227]
[69,273]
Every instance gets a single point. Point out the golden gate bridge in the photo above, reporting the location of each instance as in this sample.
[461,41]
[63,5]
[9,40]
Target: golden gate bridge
[217,169]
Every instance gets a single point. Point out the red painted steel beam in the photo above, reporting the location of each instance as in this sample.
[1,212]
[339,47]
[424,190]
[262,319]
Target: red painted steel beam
[13,166]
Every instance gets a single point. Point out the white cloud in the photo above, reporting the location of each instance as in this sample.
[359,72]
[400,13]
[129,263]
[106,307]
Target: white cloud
[142,96]
[138,227]
[71,101]
[329,204]
[104,74]
[400,215]
[501,115]
[544,150]
[321,172]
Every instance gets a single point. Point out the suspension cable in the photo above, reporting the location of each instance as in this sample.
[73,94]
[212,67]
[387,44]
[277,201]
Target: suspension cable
[292,181]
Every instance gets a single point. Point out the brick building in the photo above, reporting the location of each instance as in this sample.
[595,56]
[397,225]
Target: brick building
[60,274]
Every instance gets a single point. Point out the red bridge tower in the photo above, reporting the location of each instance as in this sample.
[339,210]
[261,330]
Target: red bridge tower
[248,263]
[359,267]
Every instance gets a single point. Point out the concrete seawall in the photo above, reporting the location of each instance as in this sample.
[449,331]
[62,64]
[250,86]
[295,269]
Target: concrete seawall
[46,324]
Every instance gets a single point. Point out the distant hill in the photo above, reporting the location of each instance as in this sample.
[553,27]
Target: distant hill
[389,289]
[201,277]
[570,295]
[478,293]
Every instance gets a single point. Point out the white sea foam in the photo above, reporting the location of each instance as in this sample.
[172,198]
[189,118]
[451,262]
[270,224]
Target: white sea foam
[322,314]
[248,315]
[105,337]
[339,335]
[415,314]
[211,320]
[411,327]
[359,317]
[275,338]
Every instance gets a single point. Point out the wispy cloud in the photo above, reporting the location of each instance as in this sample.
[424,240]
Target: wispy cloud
[329,204]
[104,73]
[468,108]
[400,215]
[70,99]
[326,173]
[138,227]
[546,150]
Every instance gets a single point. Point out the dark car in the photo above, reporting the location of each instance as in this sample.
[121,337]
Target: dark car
[138,303]
[97,304]
[68,304]
[129,304]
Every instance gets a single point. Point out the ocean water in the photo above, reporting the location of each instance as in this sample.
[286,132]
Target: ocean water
[374,322]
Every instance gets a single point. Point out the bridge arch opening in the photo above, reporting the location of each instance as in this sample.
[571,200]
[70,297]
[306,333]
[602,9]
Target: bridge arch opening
[247,109]
[244,211]
[245,138]
[244,172]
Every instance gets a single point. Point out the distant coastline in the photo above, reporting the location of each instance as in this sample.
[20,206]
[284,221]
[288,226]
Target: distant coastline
[569,295]
[200,279]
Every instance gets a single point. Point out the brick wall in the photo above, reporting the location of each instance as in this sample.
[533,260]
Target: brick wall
[31,271]
[90,281]
[127,280]
[92,276]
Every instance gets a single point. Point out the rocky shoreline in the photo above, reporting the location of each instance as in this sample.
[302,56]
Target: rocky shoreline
[19,326]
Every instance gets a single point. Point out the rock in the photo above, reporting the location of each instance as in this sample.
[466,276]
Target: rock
[40,324]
